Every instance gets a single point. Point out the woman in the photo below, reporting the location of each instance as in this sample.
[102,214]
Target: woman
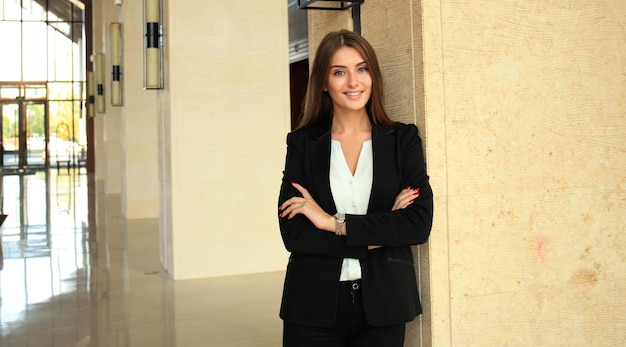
[354,197]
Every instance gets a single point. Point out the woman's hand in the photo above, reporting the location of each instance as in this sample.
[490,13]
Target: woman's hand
[306,206]
[405,198]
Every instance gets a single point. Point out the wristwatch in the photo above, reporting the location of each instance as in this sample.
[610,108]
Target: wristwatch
[340,220]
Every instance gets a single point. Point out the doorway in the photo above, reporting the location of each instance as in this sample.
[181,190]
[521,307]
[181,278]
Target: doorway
[23,134]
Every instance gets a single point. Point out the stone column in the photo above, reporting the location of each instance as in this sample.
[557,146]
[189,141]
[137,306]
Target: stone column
[224,115]
[139,118]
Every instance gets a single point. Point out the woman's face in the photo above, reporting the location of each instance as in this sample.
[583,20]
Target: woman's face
[349,81]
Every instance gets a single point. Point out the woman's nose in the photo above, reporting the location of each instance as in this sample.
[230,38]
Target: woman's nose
[353,79]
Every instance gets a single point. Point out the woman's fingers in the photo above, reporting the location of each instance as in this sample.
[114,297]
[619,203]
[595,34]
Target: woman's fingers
[306,206]
[405,198]
[288,207]
[302,190]
[297,204]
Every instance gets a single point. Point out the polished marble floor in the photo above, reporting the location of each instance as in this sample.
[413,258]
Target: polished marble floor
[74,272]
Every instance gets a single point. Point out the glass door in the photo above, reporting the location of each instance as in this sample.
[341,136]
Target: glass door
[35,129]
[10,134]
[23,134]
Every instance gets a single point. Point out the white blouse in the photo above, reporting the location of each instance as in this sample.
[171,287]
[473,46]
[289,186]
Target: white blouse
[351,193]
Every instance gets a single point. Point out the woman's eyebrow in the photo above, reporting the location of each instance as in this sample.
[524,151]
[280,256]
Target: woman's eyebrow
[344,67]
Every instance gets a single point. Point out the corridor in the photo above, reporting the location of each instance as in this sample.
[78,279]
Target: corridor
[74,272]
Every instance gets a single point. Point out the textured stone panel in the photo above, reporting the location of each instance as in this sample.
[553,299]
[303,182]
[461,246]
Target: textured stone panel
[581,314]
[535,158]
[388,27]
[321,22]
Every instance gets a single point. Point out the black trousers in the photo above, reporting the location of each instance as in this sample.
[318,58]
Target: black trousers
[350,329]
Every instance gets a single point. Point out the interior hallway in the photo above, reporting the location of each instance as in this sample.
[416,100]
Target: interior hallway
[76,275]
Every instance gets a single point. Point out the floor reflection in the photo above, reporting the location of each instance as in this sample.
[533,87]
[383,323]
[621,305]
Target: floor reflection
[45,242]
[76,273]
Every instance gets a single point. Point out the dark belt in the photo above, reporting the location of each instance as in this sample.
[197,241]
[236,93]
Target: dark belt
[354,285]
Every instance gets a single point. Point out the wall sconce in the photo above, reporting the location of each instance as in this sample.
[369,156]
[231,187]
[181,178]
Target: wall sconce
[91,97]
[99,82]
[116,62]
[336,5]
[153,43]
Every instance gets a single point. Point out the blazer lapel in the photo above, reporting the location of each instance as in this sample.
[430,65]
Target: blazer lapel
[320,157]
[382,148]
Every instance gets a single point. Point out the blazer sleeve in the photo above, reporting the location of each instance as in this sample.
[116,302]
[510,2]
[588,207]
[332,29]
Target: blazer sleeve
[407,226]
[299,234]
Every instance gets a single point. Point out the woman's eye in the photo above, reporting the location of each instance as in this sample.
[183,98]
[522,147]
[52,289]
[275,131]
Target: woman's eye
[339,73]
[363,69]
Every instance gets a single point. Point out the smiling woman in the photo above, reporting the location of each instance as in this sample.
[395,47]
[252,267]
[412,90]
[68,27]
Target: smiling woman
[355,196]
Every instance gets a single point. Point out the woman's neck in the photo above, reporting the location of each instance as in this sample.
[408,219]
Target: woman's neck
[350,123]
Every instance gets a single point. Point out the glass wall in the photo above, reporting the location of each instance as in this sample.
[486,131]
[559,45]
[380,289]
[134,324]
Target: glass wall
[42,55]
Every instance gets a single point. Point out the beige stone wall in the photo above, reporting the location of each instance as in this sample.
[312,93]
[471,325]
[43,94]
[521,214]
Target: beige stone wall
[224,115]
[535,142]
[522,108]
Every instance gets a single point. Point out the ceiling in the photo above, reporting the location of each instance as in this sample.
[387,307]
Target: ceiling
[70,11]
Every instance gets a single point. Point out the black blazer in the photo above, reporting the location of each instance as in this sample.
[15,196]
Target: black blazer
[389,287]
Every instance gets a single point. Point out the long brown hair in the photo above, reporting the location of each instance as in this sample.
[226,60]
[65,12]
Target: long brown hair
[318,104]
